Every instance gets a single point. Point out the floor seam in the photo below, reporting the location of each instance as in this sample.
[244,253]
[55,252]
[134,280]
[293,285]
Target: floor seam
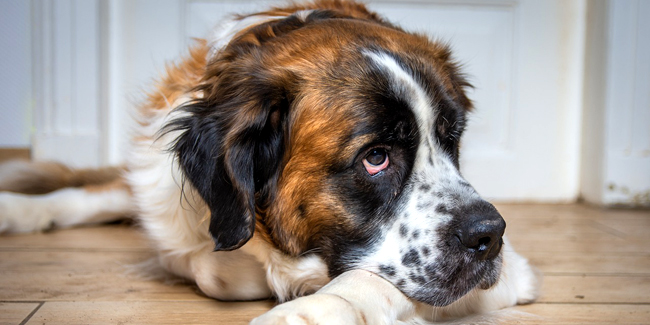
[41,303]
[593,303]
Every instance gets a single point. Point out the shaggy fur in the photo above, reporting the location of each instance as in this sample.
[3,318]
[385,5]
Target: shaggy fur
[311,149]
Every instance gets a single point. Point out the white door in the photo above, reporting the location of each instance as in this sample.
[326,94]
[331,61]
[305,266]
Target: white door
[524,58]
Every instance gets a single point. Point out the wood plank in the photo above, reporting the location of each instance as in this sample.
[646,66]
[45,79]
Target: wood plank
[148,312]
[240,313]
[568,211]
[626,224]
[15,312]
[569,244]
[585,314]
[535,211]
[555,227]
[89,276]
[577,229]
[590,264]
[102,238]
[631,224]
[596,289]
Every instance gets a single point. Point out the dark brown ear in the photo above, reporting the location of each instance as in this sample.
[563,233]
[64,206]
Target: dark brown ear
[228,159]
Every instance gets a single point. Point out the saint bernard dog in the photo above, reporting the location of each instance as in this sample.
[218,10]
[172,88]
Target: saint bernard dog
[307,153]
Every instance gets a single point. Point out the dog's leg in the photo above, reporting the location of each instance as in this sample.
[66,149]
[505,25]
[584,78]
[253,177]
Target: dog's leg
[65,207]
[355,297]
[233,275]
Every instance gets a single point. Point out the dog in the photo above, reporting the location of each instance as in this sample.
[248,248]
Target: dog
[308,153]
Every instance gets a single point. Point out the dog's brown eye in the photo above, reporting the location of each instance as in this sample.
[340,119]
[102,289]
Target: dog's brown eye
[376,161]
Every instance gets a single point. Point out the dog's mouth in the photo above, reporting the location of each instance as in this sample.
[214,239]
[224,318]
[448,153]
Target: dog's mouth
[442,279]
[440,274]
[445,282]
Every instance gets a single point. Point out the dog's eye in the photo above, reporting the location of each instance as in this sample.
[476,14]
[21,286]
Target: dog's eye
[376,161]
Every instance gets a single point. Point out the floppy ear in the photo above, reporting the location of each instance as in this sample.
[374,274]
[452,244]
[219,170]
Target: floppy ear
[230,150]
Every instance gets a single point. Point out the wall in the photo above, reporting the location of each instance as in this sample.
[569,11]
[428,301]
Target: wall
[15,78]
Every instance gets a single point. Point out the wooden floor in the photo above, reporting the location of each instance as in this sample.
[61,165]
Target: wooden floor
[596,266]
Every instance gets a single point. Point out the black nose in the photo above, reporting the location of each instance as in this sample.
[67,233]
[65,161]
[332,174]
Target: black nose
[480,230]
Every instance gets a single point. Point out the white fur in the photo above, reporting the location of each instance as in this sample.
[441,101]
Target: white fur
[355,297]
[393,245]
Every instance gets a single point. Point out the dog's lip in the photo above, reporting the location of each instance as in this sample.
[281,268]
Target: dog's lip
[430,295]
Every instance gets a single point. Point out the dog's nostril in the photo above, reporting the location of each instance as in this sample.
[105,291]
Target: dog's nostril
[483,243]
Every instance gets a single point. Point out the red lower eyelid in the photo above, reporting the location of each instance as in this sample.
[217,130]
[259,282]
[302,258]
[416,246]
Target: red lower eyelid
[372,169]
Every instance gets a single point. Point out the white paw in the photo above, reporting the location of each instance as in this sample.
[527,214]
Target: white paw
[524,279]
[528,284]
[322,309]
[20,213]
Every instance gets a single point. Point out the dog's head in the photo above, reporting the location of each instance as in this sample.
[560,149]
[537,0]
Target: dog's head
[338,136]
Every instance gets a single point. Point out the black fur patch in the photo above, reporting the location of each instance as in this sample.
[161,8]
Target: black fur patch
[403,231]
[411,258]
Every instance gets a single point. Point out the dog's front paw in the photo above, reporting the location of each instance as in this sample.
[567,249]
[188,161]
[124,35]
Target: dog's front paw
[528,284]
[523,279]
[322,309]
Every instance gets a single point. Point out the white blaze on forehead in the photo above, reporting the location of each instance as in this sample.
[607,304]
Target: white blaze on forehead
[405,86]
